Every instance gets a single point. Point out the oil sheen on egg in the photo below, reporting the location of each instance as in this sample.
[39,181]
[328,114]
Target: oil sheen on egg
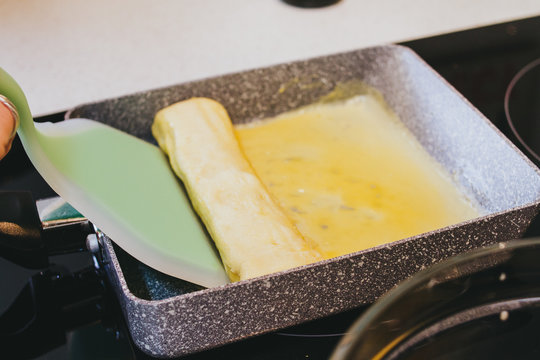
[351,176]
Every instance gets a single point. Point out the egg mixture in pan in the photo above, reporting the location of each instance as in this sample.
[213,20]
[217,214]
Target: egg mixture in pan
[168,317]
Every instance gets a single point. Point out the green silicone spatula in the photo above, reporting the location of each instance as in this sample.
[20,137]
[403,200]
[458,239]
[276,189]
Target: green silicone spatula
[125,186]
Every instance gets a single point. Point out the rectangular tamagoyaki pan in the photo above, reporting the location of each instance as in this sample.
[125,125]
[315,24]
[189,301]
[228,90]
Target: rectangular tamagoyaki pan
[168,317]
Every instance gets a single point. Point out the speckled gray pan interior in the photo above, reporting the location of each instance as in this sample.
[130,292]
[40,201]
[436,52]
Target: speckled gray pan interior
[168,317]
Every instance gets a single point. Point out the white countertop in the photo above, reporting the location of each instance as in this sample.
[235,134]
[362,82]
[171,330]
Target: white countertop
[68,52]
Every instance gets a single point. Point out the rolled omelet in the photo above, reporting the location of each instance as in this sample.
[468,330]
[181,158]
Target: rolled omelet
[252,234]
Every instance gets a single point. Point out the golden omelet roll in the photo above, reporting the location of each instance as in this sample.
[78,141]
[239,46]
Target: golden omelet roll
[253,235]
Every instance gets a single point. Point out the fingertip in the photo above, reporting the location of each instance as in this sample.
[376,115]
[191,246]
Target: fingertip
[5,150]
[8,110]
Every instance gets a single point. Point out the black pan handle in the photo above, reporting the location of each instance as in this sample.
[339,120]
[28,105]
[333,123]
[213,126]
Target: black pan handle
[20,230]
[25,241]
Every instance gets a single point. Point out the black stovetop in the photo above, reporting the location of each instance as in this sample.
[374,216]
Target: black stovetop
[479,63]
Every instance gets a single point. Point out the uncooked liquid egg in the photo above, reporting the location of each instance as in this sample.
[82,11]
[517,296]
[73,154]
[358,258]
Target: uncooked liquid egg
[351,176]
